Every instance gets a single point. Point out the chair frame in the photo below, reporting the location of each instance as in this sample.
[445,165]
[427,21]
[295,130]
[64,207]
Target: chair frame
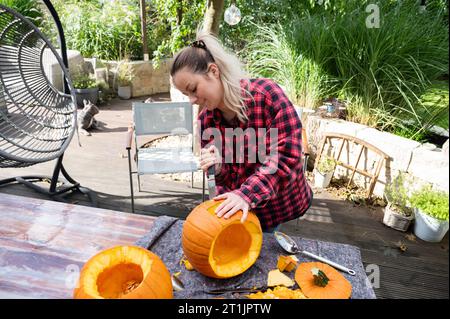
[132,133]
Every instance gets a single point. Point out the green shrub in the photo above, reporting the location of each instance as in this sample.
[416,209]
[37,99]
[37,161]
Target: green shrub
[432,202]
[108,30]
[326,164]
[383,73]
[84,82]
[397,195]
[125,73]
[30,9]
[273,54]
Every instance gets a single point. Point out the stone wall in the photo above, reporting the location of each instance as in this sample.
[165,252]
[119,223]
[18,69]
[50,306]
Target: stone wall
[147,79]
[423,163]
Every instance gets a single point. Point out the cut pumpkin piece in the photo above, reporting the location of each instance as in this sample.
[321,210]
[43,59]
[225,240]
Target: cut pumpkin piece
[321,281]
[287,263]
[186,263]
[278,292]
[277,278]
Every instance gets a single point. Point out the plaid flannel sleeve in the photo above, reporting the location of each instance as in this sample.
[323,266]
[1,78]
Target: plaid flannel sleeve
[263,185]
[224,173]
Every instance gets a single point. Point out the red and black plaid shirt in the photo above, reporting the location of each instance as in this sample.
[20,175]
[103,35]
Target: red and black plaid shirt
[276,189]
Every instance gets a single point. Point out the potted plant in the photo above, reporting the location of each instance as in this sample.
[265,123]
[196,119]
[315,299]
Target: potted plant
[324,171]
[124,78]
[398,214]
[86,88]
[431,214]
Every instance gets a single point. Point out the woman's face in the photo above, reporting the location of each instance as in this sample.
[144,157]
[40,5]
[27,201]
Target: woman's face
[206,90]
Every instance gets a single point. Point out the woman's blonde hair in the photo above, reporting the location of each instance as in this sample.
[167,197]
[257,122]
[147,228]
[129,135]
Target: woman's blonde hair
[197,58]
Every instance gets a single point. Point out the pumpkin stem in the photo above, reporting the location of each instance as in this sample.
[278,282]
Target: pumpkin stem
[320,279]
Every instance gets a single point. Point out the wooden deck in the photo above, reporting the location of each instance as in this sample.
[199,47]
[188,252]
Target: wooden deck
[101,165]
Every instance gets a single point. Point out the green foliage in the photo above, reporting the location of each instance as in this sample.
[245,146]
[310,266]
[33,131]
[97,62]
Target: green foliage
[107,30]
[84,82]
[326,164]
[31,9]
[125,73]
[167,34]
[381,73]
[432,202]
[274,54]
[397,194]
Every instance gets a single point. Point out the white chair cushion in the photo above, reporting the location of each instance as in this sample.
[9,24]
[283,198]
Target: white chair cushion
[166,160]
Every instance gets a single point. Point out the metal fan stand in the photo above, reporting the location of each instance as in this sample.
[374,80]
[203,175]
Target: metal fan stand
[58,187]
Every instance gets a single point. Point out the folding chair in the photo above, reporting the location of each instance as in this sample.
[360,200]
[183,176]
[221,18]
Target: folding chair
[161,118]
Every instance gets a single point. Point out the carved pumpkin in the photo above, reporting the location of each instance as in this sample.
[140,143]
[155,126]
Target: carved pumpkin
[218,247]
[128,272]
[321,281]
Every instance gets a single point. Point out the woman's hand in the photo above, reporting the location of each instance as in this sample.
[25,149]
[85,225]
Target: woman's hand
[210,156]
[231,205]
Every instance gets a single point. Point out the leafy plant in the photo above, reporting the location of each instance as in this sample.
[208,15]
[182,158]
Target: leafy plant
[273,54]
[326,164]
[83,81]
[108,30]
[397,195]
[30,9]
[432,202]
[125,73]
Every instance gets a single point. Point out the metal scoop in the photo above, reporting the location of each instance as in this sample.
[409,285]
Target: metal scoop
[289,245]
[177,284]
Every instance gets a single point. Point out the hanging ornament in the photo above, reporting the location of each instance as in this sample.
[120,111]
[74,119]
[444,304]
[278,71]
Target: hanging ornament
[232,14]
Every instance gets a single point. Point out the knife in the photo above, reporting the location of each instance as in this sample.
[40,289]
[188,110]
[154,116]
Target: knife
[211,182]
[221,291]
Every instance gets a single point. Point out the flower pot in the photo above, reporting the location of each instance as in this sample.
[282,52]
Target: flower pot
[124,92]
[90,94]
[429,228]
[322,180]
[396,220]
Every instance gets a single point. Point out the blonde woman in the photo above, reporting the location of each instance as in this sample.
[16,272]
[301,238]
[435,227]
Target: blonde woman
[244,113]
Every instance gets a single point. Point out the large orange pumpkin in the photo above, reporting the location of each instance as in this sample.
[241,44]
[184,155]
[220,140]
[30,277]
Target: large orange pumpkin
[321,281]
[128,272]
[219,247]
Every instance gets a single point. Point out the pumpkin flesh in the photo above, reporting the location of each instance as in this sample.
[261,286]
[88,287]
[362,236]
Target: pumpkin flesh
[218,247]
[124,272]
[321,281]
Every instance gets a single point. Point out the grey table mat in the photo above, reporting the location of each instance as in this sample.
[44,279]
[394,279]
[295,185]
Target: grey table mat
[164,239]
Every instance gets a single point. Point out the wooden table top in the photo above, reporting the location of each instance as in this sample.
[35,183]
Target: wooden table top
[44,244]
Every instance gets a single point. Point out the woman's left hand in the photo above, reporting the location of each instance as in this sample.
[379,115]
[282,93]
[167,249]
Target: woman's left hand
[232,203]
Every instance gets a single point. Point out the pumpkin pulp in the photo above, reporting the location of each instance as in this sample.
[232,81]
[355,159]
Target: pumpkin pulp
[233,250]
[116,274]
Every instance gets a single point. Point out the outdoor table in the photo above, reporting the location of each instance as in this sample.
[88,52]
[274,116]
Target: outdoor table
[44,244]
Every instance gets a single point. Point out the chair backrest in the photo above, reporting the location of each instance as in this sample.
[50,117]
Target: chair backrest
[162,118]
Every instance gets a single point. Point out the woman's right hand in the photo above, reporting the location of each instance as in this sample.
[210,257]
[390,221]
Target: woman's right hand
[210,156]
